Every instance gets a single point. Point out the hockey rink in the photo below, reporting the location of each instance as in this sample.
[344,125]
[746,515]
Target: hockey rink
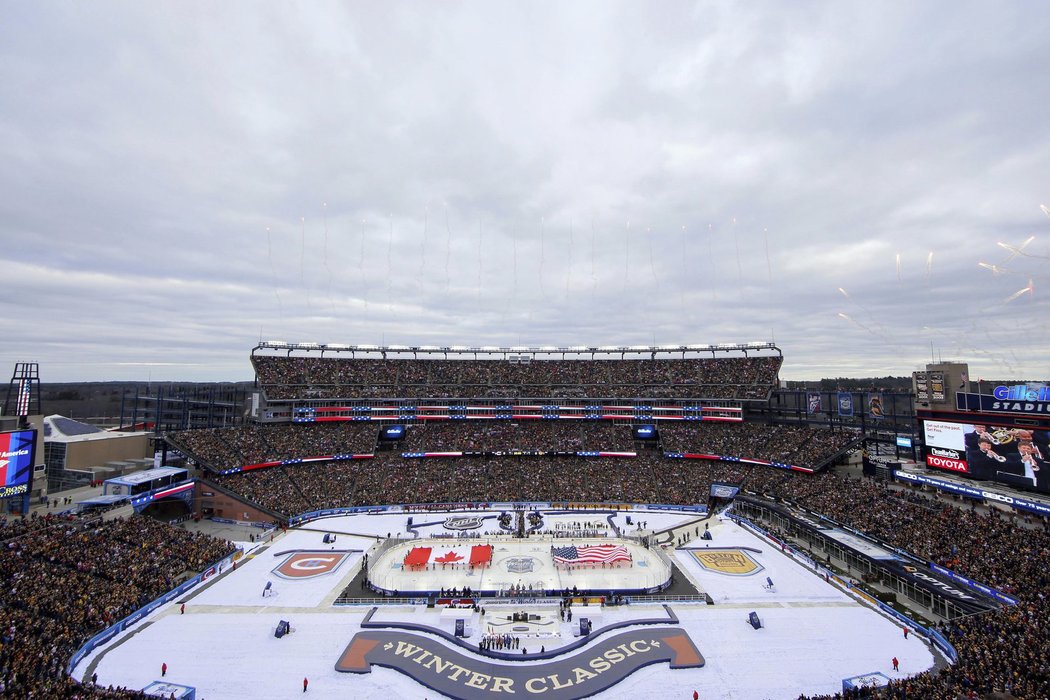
[525,564]
[223,645]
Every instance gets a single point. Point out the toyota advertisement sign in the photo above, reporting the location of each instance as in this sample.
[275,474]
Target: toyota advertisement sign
[946,445]
[1014,455]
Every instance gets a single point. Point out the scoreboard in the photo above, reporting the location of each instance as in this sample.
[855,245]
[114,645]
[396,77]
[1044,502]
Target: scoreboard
[16,462]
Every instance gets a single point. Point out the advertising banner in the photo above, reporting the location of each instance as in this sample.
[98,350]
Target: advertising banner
[16,462]
[1038,507]
[937,386]
[1019,457]
[922,386]
[875,409]
[970,601]
[845,402]
[994,404]
[813,402]
[721,490]
[946,445]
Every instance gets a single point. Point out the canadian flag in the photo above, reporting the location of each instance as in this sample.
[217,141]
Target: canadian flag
[449,555]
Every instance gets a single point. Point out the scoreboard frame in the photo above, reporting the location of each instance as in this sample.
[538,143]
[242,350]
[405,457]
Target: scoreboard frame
[17,462]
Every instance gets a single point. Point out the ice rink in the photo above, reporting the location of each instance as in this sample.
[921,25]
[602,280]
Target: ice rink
[523,563]
[813,634]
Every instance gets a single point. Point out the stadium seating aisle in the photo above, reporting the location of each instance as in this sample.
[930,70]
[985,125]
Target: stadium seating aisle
[70,577]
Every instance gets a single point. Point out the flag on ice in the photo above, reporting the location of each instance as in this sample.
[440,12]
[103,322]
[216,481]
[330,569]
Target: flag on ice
[591,554]
[450,555]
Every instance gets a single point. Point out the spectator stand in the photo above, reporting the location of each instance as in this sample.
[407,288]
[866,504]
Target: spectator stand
[849,588]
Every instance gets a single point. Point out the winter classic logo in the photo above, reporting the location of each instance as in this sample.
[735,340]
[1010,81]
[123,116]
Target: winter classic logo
[439,667]
[520,565]
[304,564]
[732,562]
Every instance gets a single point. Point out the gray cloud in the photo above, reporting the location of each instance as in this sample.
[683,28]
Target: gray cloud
[181,180]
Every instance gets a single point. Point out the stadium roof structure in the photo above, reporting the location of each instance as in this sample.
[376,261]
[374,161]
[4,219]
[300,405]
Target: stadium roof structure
[446,350]
[61,429]
[146,476]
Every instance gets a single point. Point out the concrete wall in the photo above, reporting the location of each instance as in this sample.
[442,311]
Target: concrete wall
[92,453]
[225,506]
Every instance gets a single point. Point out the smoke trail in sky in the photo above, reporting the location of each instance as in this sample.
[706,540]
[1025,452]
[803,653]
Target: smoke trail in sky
[568,267]
[448,251]
[273,273]
[328,270]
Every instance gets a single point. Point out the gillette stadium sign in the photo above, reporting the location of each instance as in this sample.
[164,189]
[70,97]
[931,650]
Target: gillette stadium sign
[1008,398]
[1022,392]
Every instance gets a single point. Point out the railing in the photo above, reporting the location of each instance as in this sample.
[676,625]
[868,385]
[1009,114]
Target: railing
[352,600]
[661,598]
[111,631]
[933,635]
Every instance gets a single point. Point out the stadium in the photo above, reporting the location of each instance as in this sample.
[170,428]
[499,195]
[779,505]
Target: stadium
[562,522]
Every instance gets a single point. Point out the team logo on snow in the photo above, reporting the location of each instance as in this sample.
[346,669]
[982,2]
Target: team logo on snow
[302,565]
[733,562]
[467,522]
[520,565]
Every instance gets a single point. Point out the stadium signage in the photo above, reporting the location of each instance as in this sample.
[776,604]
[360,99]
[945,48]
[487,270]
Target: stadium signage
[995,404]
[933,583]
[470,522]
[1021,392]
[957,594]
[1015,501]
[724,490]
[435,665]
[16,462]
[987,590]
[955,465]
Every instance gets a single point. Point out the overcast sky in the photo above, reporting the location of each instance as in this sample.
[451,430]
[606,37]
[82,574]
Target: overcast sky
[181,180]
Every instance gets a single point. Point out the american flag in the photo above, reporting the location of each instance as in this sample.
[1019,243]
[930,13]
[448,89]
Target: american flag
[592,554]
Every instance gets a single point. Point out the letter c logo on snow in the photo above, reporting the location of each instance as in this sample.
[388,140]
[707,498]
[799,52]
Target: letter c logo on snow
[303,565]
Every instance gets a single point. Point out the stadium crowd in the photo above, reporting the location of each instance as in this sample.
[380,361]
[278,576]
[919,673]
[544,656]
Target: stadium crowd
[228,448]
[342,377]
[389,478]
[787,444]
[220,449]
[567,436]
[69,577]
[1001,651]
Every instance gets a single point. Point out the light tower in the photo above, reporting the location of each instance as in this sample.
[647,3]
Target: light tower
[23,393]
[18,447]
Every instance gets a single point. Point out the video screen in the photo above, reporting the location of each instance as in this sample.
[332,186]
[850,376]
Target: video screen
[1018,457]
[645,432]
[16,462]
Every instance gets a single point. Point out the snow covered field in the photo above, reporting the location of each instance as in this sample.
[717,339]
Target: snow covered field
[813,635]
